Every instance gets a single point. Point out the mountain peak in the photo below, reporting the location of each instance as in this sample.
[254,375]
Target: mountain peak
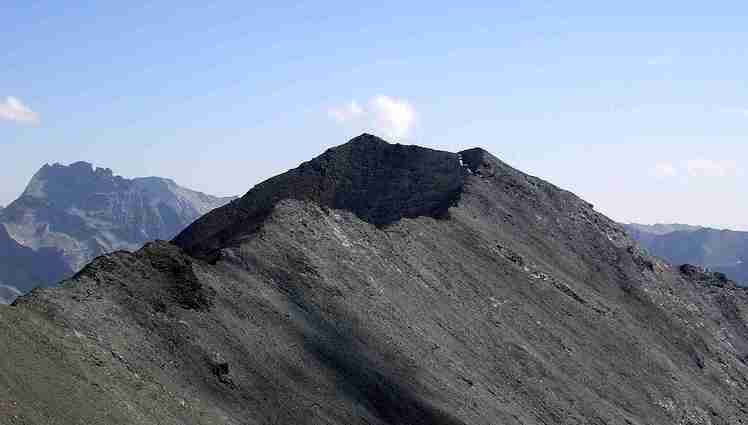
[378,181]
[367,138]
[72,169]
[80,165]
[523,304]
[59,182]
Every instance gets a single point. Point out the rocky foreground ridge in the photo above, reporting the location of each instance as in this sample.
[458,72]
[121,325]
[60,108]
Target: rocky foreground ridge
[383,284]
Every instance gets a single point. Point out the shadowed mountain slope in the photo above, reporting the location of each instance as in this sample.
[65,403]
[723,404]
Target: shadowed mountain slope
[455,291]
[22,268]
[68,215]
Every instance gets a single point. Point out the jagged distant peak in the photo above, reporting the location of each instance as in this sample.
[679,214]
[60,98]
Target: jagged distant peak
[58,179]
[663,228]
[82,178]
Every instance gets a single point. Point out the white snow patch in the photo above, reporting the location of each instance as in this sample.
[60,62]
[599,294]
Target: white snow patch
[463,165]
[339,234]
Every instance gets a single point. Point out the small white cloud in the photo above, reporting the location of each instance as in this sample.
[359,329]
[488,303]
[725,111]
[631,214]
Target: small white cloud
[14,110]
[394,116]
[738,111]
[346,113]
[712,168]
[665,169]
[698,168]
[389,116]
[730,110]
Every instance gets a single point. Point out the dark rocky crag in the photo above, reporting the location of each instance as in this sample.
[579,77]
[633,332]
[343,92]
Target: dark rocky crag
[383,284]
[379,183]
[68,215]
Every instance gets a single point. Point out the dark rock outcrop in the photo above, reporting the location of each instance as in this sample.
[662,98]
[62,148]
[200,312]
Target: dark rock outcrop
[459,292]
[379,182]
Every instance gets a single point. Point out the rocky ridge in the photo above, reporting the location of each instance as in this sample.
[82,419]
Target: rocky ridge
[384,284]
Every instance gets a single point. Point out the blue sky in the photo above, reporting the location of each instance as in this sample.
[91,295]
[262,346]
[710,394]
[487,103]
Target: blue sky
[641,108]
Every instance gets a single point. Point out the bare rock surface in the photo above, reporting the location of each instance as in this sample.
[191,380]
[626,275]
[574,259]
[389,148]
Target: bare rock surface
[383,284]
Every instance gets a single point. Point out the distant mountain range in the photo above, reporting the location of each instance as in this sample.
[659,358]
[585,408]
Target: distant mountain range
[725,251]
[661,228]
[68,215]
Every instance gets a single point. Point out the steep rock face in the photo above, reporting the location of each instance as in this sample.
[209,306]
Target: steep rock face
[71,214]
[496,299]
[725,251]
